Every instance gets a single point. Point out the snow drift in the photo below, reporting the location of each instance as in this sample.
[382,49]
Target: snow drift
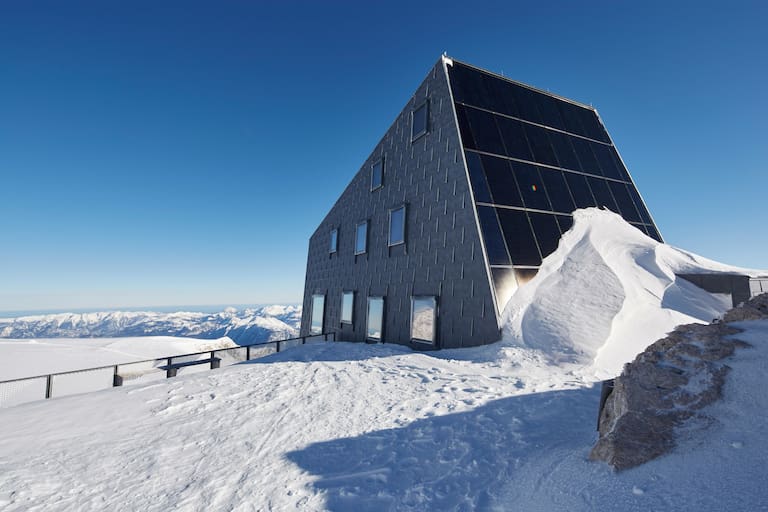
[606,293]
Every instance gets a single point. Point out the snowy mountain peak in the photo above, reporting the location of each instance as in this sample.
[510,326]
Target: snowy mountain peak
[244,327]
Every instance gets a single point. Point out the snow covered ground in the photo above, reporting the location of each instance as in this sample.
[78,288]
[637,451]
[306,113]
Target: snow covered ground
[26,358]
[342,426]
[355,427]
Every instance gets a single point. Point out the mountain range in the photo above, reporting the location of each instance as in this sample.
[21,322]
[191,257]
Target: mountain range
[247,326]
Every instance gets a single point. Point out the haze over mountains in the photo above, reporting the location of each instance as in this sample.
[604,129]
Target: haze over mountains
[246,326]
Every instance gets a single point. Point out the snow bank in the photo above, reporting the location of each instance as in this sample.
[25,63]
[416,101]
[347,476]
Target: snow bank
[608,292]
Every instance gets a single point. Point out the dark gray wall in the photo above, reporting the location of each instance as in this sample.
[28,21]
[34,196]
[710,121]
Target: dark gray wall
[442,255]
[735,284]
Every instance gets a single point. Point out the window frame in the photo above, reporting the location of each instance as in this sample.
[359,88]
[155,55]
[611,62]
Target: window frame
[404,207]
[380,161]
[368,317]
[334,247]
[312,330]
[435,309]
[351,320]
[365,241]
[416,136]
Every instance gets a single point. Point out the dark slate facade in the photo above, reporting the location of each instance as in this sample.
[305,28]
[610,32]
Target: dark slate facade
[442,254]
[488,189]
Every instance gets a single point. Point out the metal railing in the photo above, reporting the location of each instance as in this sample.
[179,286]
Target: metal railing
[39,387]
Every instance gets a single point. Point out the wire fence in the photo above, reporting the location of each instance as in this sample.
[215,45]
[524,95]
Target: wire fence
[29,389]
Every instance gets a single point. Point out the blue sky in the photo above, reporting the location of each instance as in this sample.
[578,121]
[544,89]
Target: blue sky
[156,153]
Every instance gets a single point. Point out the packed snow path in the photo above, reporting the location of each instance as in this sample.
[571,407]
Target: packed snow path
[357,427]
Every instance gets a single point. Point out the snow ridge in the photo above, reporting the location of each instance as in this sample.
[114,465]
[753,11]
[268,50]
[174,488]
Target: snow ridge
[608,292]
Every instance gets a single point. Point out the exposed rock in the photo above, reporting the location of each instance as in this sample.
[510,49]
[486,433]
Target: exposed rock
[755,309]
[666,385]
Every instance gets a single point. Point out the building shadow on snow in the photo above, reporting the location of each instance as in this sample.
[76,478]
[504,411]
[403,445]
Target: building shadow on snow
[458,461]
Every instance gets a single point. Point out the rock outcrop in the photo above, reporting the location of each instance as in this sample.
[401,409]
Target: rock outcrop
[666,385]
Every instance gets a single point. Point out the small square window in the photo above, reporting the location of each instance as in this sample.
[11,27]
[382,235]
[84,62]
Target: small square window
[334,241]
[377,175]
[375,324]
[397,226]
[347,307]
[318,312]
[419,121]
[424,319]
[361,238]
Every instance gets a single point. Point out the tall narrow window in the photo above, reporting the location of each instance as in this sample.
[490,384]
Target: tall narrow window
[424,319]
[375,325]
[347,307]
[377,175]
[397,226]
[318,312]
[361,238]
[419,121]
[334,245]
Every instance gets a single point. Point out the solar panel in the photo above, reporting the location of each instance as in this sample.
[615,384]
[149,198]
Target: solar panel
[532,159]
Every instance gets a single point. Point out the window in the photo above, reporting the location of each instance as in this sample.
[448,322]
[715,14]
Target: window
[347,307]
[334,241]
[361,238]
[397,226]
[318,307]
[419,121]
[519,236]
[423,319]
[485,132]
[501,181]
[494,241]
[377,175]
[546,230]
[375,326]
[531,186]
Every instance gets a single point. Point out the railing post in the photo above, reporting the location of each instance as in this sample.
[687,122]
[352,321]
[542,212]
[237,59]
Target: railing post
[48,386]
[248,353]
[117,379]
[277,345]
[169,372]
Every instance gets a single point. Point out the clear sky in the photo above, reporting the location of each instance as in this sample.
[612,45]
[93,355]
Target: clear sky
[156,153]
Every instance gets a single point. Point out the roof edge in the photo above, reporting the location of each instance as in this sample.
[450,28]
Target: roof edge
[450,60]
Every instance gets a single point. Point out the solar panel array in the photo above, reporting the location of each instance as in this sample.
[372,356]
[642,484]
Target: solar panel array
[533,159]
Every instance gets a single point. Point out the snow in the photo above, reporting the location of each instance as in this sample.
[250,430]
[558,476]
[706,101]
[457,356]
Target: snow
[356,427]
[607,292]
[31,357]
[341,426]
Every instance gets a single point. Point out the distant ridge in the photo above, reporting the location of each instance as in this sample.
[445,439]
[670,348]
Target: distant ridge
[245,326]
